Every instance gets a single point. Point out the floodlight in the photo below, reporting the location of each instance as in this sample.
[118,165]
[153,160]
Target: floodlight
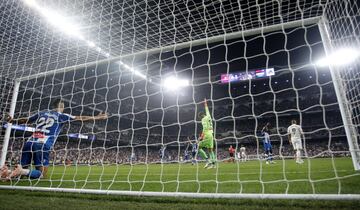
[173,83]
[340,57]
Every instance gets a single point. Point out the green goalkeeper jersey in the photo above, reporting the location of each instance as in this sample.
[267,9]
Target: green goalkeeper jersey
[207,122]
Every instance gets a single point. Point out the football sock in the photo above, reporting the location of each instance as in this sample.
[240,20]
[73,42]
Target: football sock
[203,154]
[212,156]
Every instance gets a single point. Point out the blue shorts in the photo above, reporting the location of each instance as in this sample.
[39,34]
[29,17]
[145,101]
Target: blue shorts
[193,153]
[267,147]
[37,152]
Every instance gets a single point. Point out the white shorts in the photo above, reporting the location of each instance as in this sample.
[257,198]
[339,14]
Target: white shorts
[243,154]
[297,144]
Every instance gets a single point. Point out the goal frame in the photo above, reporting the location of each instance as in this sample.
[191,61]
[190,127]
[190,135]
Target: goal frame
[191,195]
[9,125]
[320,21]
[340,93]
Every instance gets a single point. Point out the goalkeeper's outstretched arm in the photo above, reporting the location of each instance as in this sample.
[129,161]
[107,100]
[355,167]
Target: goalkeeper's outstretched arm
[208,116]
[207,109]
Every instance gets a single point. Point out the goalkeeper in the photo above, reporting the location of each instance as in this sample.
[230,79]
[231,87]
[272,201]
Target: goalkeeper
[206,139]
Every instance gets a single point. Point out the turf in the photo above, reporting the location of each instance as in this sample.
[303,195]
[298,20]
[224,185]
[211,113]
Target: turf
[48,200]
[321,175]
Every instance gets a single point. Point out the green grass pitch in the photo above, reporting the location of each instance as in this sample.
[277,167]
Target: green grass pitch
[321,175]
[314,176]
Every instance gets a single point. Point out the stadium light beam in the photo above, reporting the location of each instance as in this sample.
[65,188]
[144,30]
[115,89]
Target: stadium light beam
[139,74]
[91,44]
[31,3]
[56,19]
[340,57]
[129,68]
[173,83]
[70,29]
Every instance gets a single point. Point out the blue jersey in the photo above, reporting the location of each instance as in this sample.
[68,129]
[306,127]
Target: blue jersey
[266,140]
[194,147]
[186,154]
[48,126]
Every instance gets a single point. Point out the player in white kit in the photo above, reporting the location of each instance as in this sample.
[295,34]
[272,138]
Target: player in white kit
[295,133]
[243,153]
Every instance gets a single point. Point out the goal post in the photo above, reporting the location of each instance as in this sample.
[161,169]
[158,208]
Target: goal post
[340,90]
[5,145]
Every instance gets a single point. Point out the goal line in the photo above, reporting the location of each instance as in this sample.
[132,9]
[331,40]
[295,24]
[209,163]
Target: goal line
[192,195]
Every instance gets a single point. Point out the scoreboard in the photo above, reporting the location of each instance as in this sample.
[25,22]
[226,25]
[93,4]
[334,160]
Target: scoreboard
[242,76]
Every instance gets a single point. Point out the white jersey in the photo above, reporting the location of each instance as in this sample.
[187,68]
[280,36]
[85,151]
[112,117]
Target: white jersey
[242,149]
[295,131]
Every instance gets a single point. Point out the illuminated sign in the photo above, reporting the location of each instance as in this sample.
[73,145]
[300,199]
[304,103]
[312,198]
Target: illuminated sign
[242,76]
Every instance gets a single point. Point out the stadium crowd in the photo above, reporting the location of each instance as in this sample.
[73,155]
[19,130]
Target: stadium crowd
[86,152]
[237,121]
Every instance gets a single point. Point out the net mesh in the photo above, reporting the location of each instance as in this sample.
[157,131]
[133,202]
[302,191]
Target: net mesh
[144,144]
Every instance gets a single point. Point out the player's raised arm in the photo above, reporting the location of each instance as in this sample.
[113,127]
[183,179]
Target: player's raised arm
[101,116]
[200,137]
[189,140]
[208,117]
[265,128]
[206,109]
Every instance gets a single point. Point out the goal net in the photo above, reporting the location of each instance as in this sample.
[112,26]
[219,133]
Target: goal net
[150,66]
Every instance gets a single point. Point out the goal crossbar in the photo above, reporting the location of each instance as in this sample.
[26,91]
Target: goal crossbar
[194,43]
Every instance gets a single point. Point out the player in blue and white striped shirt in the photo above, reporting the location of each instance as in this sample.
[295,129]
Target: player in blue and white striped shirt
[194,150]
[162,153]
[37,148]
[267,144]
